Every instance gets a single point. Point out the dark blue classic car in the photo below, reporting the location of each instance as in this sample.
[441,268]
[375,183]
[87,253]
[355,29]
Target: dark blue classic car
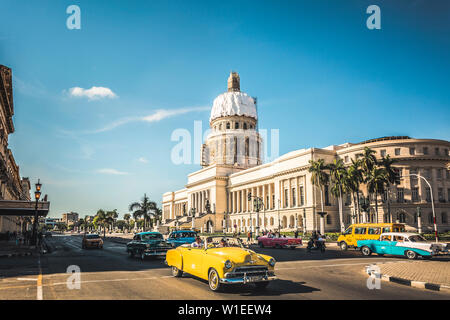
[146,244]
[179,237]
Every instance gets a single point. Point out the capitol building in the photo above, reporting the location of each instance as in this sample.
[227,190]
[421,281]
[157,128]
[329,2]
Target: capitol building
[216,197]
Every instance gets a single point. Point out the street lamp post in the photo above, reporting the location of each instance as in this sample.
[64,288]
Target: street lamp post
[279,222]
[193,218]
[432,201]
[257,202]
[37,196]
[304,221]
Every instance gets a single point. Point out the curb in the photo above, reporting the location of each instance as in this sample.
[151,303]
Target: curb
[406,282]
[11,255]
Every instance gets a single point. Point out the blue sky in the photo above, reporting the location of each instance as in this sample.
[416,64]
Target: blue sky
[321,78]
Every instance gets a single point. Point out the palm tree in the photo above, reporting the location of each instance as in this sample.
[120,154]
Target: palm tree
[127,218]
[391,175]
[112,216]
[368,160]
[100,219]
[319,176]
[338,175]
[376,180]
[145,209]
[354,179]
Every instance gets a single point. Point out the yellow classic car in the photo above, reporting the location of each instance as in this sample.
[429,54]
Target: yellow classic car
[222,261]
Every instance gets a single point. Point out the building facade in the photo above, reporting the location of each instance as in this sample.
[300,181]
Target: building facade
[216,197]
[70,218]
[12,186]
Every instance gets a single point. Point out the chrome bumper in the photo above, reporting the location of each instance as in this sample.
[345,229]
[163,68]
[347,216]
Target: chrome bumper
[248,279]
[154,253]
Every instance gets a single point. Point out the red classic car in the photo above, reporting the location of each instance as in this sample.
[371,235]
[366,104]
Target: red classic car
[279,242]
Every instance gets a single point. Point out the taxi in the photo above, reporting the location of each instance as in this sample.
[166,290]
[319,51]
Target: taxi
[366,231]
[222,261]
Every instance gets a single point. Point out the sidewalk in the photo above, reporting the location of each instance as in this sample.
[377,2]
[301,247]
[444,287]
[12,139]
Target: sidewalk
[9,249]
[433,275]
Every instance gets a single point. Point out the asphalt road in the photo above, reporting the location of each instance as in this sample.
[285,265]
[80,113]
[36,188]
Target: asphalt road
[111,274]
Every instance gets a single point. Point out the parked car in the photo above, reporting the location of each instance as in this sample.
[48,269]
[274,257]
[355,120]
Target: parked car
[179,237]
[146,244]
[410,245]
[92,241]
[279,242]
[221,263]
[366,231]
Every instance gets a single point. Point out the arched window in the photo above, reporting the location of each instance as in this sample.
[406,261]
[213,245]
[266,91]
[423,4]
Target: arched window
[328,219]
[247,147]
[245,125]
[228,125]
[402,217]
[236,125]
[444,217]
[271,221]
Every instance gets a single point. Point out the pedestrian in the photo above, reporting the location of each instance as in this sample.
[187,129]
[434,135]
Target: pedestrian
[248,236]
[296,234]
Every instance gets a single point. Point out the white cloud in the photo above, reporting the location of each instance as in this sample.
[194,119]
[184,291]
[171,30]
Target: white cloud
[157,116]
[111,171]
[94,93]
[143,160]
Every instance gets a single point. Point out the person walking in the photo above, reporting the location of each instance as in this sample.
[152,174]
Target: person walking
[296,234]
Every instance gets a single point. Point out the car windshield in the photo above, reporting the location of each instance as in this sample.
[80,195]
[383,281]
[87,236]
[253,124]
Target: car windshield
[92,236]
[186,235]
[417,238]
[151,236]
[222,242]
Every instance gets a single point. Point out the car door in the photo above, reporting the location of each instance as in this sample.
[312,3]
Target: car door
[192,261]
[398,245]
[383,245]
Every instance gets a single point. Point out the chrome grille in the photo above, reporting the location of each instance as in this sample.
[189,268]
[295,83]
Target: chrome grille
[239,272]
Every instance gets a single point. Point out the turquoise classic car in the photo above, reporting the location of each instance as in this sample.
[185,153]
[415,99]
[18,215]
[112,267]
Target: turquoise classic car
[146,244]
[179,237]
[410,245]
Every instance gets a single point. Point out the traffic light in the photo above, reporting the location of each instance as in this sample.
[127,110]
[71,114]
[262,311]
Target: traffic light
[249,196]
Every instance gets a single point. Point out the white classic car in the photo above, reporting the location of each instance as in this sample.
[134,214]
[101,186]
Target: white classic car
[410,245]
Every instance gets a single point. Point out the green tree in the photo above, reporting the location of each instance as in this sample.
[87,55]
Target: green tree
[101,220]
[319,176]
[354,179]
[376,180]
[145,209]
[338,175]
[127,218]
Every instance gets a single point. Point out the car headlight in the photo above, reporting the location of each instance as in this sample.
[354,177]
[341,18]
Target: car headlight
[272,262]
[228,264]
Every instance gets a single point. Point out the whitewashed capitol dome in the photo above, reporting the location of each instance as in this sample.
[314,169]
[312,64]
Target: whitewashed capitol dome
[234,102]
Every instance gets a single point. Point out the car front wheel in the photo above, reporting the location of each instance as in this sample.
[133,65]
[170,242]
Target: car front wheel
[214,281]
[176,272]
[411,254]
[142,256]
[366,251]
[343,245]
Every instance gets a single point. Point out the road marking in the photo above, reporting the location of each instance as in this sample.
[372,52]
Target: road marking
[27,279]
[39,281]
[324,266]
